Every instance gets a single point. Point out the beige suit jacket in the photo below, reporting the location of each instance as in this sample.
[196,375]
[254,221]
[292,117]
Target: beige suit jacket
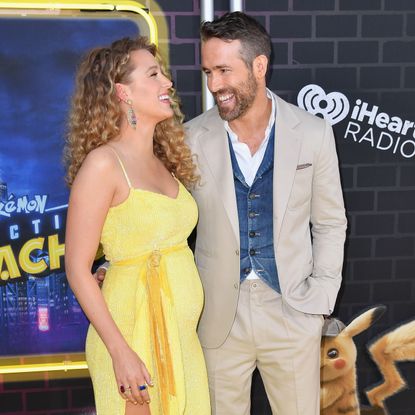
[307,191]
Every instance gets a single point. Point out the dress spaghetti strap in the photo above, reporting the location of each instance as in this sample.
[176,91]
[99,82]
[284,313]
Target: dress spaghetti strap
[122,166]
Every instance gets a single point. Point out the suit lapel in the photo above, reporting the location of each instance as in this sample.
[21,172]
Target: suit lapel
[286,156]
[215,148]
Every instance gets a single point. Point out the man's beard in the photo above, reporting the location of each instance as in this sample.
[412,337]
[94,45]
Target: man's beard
[244,96]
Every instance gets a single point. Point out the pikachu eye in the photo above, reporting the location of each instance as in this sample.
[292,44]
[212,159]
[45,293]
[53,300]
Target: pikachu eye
[333,353]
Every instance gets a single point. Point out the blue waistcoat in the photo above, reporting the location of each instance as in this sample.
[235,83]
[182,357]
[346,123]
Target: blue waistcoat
[256,218]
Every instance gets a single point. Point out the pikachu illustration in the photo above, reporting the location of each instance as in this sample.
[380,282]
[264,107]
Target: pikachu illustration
[339,389]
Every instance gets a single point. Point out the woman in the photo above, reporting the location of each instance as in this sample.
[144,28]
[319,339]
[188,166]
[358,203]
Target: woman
[126,159]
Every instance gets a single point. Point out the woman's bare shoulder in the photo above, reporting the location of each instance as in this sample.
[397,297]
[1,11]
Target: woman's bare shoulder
[99,166]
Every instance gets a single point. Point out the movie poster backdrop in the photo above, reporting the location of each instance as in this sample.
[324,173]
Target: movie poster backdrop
[38,311]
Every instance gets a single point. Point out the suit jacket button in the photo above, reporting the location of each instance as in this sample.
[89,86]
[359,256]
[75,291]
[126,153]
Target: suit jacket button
[236,285]
[237,252]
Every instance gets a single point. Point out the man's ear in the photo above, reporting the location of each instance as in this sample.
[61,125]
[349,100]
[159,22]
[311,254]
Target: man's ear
[120,92]
[260,66]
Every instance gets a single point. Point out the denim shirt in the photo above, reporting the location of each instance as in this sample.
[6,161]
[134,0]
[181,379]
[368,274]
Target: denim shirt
[255,213]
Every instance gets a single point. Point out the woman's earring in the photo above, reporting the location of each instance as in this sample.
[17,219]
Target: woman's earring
[131,117]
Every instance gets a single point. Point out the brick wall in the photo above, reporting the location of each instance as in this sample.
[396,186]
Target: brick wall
[364,49]
[47,397]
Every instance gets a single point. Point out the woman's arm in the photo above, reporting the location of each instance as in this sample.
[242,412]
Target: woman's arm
[91,197]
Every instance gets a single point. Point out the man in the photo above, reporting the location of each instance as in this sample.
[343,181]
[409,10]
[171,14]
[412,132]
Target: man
[269,174]
[271,228]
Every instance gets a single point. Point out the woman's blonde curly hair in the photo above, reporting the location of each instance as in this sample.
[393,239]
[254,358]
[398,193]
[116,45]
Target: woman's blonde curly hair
[95,116]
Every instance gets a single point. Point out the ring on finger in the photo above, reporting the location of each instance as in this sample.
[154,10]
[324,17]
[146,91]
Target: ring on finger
[142,387]
[123,389]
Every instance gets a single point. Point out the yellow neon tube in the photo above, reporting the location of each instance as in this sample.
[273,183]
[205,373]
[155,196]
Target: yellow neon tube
[66,365]
[148,17]
[126,5]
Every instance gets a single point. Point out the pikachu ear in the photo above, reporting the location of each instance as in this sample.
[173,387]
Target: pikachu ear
[364,321]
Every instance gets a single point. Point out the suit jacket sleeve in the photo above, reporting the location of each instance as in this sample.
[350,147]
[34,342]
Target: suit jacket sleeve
[328,219]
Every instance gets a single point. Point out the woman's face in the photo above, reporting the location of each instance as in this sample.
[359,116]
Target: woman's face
[148,89]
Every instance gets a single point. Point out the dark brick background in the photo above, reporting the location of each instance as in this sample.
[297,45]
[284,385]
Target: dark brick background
[364,49]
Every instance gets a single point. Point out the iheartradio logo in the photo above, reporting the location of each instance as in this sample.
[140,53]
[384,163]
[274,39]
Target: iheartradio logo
[366,124]
[334,106]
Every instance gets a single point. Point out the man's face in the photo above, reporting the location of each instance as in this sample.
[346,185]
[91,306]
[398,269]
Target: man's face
[231,82]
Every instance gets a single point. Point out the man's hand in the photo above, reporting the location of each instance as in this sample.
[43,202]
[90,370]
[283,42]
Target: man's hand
[99,275]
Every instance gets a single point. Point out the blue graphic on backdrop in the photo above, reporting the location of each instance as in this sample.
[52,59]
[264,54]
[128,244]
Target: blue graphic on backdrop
[38,58]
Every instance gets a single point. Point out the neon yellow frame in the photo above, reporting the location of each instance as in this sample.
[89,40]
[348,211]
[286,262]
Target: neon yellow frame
[70,361]
[118,5]
[65,365]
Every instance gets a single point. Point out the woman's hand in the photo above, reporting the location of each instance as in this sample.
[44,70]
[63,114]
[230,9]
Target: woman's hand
[132,376]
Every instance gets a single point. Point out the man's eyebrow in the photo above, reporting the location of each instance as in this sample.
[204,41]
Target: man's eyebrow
[215,67]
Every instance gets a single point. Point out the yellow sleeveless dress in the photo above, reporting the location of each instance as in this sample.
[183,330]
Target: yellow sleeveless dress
[154,294]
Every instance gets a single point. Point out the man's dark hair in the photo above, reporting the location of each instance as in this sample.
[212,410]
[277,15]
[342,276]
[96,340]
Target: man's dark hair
[254,38]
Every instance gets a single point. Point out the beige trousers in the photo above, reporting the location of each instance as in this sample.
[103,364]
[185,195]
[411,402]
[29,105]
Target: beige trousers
[282,342]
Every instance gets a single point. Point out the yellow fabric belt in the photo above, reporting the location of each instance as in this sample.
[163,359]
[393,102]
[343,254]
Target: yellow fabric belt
[157,286]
